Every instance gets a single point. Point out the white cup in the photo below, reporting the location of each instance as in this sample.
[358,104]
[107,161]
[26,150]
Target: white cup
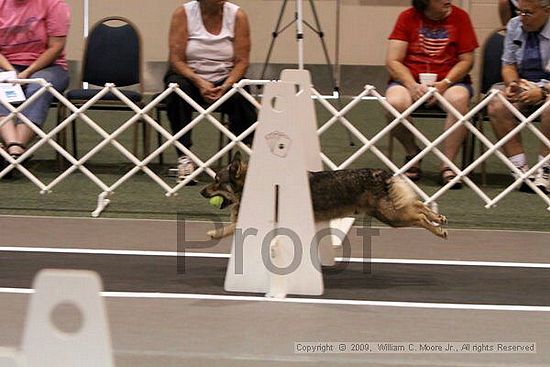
[428,79]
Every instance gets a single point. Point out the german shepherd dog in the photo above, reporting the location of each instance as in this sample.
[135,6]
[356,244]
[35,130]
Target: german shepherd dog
[338,194]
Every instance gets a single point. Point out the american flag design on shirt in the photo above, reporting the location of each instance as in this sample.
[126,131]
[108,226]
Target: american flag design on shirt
[433,41]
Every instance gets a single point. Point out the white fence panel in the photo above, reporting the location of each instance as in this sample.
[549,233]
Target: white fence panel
[206,114]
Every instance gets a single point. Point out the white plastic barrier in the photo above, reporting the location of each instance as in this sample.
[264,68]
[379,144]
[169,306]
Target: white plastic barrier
[66,323]
[276,230]
[11,358]
[84,340]
[368,144]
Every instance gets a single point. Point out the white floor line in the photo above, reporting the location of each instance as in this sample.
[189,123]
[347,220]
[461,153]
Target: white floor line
[507,264]
[8,216]
[317,301]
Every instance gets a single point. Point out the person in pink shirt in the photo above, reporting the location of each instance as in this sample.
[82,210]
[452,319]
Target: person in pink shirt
[33,34]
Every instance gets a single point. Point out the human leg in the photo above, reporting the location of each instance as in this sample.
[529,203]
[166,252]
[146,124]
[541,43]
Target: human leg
[459,97]
[399,97]
[242,114]
[503,122]
[179,111]
[542,178]
[15,133]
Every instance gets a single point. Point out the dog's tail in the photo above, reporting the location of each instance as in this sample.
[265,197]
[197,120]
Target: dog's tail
[401,193]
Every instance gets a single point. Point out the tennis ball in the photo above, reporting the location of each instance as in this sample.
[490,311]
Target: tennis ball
[216,201]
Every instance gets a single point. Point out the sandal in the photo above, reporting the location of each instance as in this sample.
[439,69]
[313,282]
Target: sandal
[17,155]
[447,175]
[15,144]
[413,173]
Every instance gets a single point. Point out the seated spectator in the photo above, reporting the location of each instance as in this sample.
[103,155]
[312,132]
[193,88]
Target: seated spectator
[507,10]
[526,78]
[209,51]
[437,37]
[32,43]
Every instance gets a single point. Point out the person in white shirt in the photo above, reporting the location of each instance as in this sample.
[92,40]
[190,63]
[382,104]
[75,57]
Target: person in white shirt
[209,44]
[525,74]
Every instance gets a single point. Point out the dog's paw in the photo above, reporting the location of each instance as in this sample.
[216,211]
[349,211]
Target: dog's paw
[442,219]
[443,234]
[214,234]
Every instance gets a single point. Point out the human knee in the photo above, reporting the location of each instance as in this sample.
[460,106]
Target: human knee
[55,75]
[399,102]
[460,99]
[496,108]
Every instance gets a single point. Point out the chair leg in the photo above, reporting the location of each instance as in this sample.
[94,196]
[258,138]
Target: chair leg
[220,145]
[466,148]
[481,152]
[61,136]
[222,140]
[146,138]
[73,132]
[159,138]
[135,149]
[225,122]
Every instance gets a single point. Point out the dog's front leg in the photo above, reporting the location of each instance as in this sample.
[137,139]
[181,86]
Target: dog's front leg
[222,232]
[424,222]
[430,214]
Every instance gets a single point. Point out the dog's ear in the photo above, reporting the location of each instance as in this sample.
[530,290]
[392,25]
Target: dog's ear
[237,157]
[235,165]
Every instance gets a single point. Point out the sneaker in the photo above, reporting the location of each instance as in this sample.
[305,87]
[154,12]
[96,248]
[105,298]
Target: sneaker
[542,180]
[524,187]
[185,168]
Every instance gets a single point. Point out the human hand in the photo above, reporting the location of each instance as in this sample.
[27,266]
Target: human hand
[417,90]
[219,91]
[24,74]
[441,86]
[207,91]
[513,90]
[531,96]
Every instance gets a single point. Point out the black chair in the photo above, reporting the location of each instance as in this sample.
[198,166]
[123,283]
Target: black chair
[490,73]
[112,54]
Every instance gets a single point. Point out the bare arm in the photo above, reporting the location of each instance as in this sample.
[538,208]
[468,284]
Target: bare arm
[52,52]
[397,50]
[510,77]
[241,49]
[457,72]
[509,73]
[5,64]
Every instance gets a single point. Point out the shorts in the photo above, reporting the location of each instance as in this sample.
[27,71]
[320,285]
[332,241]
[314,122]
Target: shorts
[466,85]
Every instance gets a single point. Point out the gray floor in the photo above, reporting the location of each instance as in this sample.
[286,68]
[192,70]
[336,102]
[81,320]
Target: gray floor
[249,331]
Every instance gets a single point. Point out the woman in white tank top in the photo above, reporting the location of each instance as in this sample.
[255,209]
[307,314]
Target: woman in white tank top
[209,45]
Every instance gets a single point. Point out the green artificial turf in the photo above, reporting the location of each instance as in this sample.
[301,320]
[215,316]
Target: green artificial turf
[141,197]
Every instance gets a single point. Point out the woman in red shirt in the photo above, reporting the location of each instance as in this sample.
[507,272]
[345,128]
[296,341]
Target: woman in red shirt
[437,37]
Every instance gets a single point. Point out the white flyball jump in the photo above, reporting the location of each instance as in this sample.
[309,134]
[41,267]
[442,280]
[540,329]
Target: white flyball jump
[86,342]
[275,249]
